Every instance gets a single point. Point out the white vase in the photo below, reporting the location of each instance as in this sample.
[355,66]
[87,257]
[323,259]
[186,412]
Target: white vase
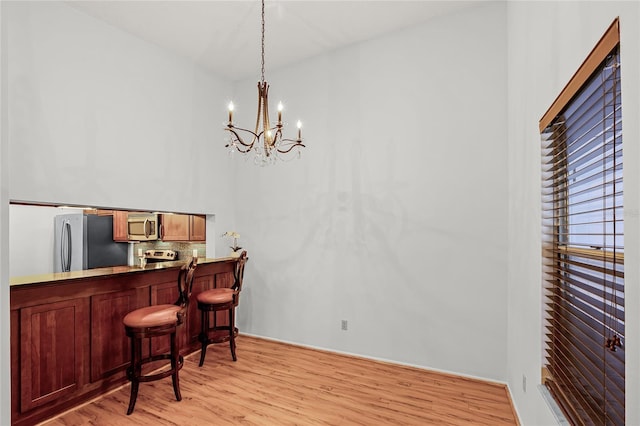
[236,253]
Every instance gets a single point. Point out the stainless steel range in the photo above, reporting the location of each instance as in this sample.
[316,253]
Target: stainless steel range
[154,256]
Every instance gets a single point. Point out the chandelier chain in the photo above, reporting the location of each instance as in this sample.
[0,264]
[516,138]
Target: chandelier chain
[262,69]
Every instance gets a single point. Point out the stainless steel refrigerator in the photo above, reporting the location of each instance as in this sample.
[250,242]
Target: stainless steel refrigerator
[84,242]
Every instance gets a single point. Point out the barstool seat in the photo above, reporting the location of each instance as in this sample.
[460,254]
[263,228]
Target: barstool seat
[217,295]
[154,321]
[152,316]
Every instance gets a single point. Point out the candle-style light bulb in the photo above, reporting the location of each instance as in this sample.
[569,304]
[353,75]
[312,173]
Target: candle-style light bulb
[299,124]
[231,112]
[280,112]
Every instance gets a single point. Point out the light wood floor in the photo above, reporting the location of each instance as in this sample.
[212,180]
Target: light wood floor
[279,384]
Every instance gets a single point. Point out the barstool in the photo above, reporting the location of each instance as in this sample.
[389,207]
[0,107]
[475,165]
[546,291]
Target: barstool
[154,321]
[221,299]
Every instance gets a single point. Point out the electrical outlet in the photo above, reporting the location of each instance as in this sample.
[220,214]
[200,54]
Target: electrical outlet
[524,383]
[345,325]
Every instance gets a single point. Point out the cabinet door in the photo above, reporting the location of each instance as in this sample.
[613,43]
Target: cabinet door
[197,227]
[223,279]
[175,227]
[161,294]
[194,319]
[110,351]
[120,225]
[54,345]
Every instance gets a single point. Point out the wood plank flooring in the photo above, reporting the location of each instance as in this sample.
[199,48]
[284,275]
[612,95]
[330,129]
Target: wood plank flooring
[279,384]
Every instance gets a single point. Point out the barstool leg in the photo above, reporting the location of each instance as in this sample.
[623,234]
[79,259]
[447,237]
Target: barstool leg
[204,338]
[134,372]
[232,334]
[175,367]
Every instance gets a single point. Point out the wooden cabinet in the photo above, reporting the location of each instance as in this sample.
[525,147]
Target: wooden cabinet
[175,227]
[119,222]
[161,294]
[194,320]
[183,227]
[110,351]
[53,351]
[197,227]
[223,280]
[120,225]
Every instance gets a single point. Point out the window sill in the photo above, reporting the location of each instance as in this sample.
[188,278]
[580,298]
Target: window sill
[553,406]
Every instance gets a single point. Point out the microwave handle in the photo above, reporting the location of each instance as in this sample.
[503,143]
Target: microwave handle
[161,230]
[145,226]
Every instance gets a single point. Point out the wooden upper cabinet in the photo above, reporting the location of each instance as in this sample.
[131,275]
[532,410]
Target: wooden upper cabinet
[197,228]
[175,227]
[183,227]
[119,221]
[120,225]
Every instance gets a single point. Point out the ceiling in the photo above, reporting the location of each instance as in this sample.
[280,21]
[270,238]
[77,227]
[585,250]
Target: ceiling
[224,36]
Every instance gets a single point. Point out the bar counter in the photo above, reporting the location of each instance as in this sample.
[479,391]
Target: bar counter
[102,272]
[68,343]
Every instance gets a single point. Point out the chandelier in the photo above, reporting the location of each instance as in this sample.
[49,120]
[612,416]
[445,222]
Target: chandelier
[266,141]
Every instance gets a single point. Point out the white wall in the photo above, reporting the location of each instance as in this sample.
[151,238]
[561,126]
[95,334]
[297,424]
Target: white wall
[394,218]
[99,117]
[547,43]
[5,354]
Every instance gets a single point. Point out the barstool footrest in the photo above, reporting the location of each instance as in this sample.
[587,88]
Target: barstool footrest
[155,376]
[219,334]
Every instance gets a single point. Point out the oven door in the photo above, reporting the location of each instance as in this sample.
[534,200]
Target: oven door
[142,227]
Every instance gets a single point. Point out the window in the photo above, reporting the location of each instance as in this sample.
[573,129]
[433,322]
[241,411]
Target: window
[583,241]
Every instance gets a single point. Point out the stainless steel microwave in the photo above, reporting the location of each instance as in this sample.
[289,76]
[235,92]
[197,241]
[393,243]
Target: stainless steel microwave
[142,227]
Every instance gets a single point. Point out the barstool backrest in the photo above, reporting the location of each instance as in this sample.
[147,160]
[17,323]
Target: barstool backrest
[185,286]
[238,274]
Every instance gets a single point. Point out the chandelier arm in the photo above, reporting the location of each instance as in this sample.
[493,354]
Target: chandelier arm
[242,151]
[284,151]
[239,138]
[278,135]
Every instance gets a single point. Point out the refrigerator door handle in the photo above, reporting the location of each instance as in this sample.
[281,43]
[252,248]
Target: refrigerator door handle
[70,247]
[65,246]
[62,232]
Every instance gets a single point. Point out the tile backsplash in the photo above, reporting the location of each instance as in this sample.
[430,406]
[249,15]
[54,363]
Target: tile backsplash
[185,250]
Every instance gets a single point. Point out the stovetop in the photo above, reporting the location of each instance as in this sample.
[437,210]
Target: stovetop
[161,255]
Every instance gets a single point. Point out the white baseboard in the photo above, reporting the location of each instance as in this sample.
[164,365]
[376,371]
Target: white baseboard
[421,367]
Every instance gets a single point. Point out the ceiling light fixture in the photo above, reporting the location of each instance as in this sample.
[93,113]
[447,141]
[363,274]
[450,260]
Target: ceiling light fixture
[266,141]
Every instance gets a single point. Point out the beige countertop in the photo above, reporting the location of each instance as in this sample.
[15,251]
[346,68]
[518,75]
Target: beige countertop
[102,272]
